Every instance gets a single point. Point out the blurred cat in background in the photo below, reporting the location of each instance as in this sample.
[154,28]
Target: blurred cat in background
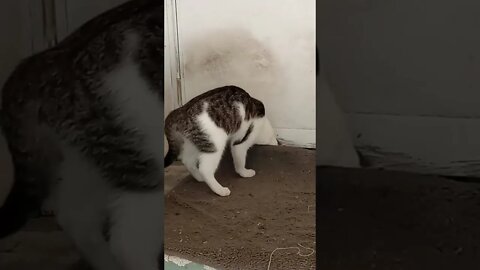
[89,112]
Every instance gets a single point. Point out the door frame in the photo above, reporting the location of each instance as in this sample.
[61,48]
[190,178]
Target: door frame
[173,68]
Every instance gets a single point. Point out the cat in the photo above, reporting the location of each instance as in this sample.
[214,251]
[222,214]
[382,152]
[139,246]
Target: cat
[89,111]
[199,131]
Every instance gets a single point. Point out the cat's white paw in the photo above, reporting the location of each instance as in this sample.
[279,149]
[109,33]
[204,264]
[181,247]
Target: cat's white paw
[223,191]
[247,173]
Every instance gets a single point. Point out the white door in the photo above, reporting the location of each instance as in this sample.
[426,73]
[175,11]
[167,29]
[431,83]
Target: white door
[266,47]
[172,83]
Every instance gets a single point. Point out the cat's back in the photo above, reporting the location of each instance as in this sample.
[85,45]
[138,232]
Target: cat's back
[138,14]
[223,93]
[222,106]
[222,98]
[61,92]
[93,49]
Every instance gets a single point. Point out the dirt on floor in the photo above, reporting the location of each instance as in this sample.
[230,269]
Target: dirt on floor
[370,219]
[273,209]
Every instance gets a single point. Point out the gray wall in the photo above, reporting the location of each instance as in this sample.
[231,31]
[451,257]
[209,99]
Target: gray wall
[409,57]
[13,47]
[14,42]
[407,75]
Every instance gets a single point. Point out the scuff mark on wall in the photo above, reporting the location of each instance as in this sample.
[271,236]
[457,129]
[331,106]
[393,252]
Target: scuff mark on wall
[232,56]
[270,52]
[229,56]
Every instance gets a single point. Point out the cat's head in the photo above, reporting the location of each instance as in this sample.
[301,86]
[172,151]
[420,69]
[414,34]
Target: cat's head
[267,135]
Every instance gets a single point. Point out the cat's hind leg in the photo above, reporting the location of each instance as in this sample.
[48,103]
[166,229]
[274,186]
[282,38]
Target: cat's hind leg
[191,165]
[210,141]
[136,231]
[82,199]
[208,164]
[190,160]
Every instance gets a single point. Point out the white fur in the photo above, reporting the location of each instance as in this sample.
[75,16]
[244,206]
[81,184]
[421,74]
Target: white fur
[137,231]
[267,136]
[189,157]
[85,198]
[208,162]
[139,106]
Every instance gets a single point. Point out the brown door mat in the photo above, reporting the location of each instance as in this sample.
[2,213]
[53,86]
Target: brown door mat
[372,219]
[274,209]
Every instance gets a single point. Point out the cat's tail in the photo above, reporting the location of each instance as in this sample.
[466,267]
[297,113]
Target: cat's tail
[11,217]
[25,195]
[174,143]
[169,158]
[24,200]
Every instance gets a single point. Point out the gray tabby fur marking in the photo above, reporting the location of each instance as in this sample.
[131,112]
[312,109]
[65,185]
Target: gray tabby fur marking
[221,109]
[58,89]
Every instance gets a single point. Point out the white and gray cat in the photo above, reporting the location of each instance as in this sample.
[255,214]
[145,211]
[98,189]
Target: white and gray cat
[199,131]
[89,111]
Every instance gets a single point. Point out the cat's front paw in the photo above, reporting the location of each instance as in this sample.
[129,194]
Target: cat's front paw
[223,191]
[246,173]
